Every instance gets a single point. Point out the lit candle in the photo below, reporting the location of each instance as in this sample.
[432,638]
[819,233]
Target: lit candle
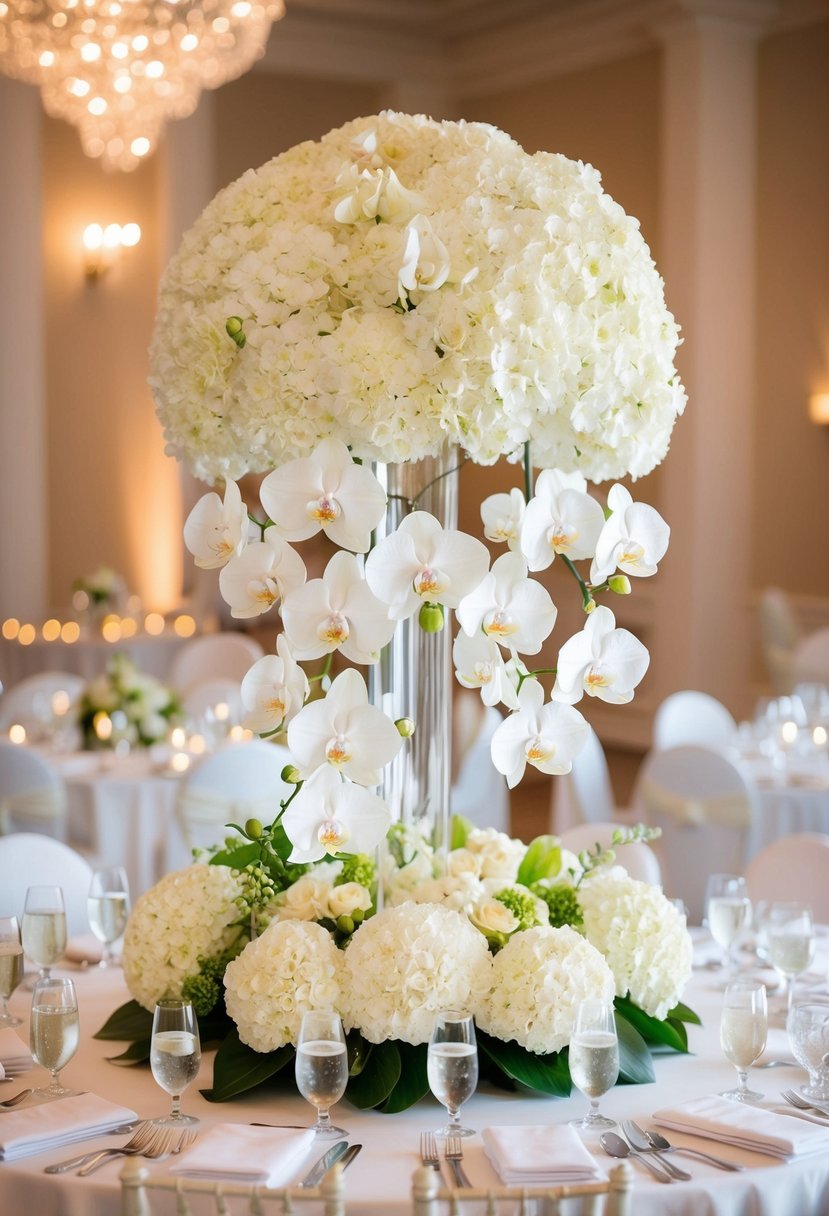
[102,724]
[60,703]
[17,733]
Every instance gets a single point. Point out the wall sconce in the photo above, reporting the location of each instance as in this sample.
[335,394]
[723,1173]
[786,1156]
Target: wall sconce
[819,408]
[102,246]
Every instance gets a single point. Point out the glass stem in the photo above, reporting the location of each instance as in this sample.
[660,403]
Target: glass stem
[454,1116]
[742,1074]
[789,993]
[54,1084]
[175,1111]
[323,1117]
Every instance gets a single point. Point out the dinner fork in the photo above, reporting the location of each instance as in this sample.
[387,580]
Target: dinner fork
[143,1136]
[160,1145]
[429,1150]
[795,1099]
[453,1152]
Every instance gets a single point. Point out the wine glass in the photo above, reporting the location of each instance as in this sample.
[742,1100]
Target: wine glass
[808,1027]
[791,942]
[54,1031]
[744,1024]
[175,1055]
[727,909]
[452,1066]
[594,1059]
[44,927]
[322,1066]
[11,966]
[108,907]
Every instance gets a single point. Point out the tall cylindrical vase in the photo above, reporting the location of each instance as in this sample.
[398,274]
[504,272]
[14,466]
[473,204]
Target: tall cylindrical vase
[414,677]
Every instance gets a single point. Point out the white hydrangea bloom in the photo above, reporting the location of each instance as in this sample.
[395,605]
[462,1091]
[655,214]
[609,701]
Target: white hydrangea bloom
[405,964]
[642,936]
[538,980]
[188,915]
[292,968]
[538,312]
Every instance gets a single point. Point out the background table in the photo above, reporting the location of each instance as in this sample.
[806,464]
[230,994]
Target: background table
[794,800]
[88,656]
[378,1182]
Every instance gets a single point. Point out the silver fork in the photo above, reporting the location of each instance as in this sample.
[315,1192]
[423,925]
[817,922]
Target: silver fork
[160,1145]
[794,1099]
[185,1139]
[142,1137]
[429,1150]
[453,1151]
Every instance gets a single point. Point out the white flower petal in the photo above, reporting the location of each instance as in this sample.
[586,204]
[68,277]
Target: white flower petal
[216,530]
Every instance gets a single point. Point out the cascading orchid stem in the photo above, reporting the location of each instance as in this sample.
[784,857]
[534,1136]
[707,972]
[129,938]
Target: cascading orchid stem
[528,472]
[587,600]
[411,503]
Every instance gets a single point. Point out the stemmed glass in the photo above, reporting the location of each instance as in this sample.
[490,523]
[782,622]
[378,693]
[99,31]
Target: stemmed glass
[808,1027]
[175,1055]
[594,1059]
[452,1066]
[11,966]
[791,942]
[54,1031]
[44,927]
[744,1025]
[108,907]
[727,909]
[322,1066]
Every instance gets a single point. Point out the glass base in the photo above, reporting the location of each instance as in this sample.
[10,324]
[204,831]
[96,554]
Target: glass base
[328,1130]
[452,1129]
[593,1123]
[743,1095]
[816,1093]
[175,1121]
[55,1091]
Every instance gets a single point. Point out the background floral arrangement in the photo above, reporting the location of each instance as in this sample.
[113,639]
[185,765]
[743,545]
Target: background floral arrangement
[140,709]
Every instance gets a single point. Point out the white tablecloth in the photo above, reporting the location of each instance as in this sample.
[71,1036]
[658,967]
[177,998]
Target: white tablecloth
[794,800]
[378,1183]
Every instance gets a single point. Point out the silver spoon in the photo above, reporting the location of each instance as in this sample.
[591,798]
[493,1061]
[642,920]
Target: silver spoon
[639,1143]
[9,1102]
[615,1146]
[665,1146]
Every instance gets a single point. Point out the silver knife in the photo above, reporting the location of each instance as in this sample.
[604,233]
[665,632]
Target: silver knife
[349,1155]
[318,1171]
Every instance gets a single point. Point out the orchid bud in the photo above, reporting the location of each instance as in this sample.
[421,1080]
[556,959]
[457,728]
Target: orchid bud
[620,583]
[590,605]
[431,618]
[291,775]
[405,727]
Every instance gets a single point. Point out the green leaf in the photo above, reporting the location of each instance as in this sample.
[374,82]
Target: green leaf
[635,1063]
[459,829]
[378,1078]
[237,1068]
[130,1021]
[137,1053]
[237,857]
[672,1034]
[682,1013]
[541,860]
[413,1084]
[549,1074]
[359,1051]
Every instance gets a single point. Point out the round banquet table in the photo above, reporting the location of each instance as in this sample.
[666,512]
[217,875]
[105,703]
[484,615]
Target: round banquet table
[88,656]
[378,1182]
[795,799]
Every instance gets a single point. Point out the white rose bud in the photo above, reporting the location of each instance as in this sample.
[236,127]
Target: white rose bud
[492,918]
[347,898]
[306,899]
[462,861]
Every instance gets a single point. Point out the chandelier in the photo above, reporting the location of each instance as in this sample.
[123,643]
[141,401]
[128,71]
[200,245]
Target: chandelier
[119,69]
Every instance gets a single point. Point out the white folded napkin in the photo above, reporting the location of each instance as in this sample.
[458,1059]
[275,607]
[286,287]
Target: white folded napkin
[14,1053]
[25,1130]
[539,1154]
[270,1156]
[746,1126]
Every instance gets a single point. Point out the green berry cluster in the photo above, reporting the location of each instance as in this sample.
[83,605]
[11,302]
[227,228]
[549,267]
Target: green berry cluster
[206,987]
[563,902]
[359,867]
[521,904]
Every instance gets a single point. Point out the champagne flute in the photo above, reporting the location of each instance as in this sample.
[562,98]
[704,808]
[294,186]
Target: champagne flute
[594,1059]
[175,1055]
[44,927]
[791,942]
[54,1031]
[728,910]
[322,1066]
[744,1024]
[11,966]
[452,1066]
[108,907]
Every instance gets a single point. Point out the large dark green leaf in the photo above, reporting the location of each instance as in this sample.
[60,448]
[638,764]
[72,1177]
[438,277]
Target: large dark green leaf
[237,857]
[672,1034]
[129,1021]
[137,1053]
[379,1075]
[549,1074]
[635,1063]
[541,860]
[237,1068]
[413,1084]
[682,1013]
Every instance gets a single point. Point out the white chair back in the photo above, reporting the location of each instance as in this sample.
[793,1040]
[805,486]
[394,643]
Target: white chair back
[613,1196]
[239,781]
[140,1189]
[28,859]
[480,792]
[229,655]
[32,793]
[29,702]
[584,795]
[810,659]
[203,698]
[638,858]
[690,717]
[794,867]
[701,802]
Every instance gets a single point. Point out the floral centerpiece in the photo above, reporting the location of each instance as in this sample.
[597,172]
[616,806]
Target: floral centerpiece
[124,704]
[96,594]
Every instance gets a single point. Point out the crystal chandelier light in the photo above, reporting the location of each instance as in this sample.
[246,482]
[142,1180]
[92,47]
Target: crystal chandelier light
[119,69]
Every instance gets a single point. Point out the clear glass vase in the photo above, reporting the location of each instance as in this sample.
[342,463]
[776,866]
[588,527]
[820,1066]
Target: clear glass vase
[414,676]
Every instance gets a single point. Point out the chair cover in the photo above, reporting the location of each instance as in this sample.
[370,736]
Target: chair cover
[638,858]
[228,655]
[810,659]
[793,868]
[480,792]
[29,859]
[29,702]
[207,694]
[32,794]
[690,717]
[584,795]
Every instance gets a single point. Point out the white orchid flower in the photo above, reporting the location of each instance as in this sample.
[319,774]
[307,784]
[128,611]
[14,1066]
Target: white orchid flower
[344,731]
[376,194]
[561,518]
[634,538]
[274,690]
[216,530]
[422,562]
[502,516]
[325,491]
[425,264]
[514,610]
[545,736]
[329,815]
[337,612]
[602,661]
[261,575]
[480,664]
